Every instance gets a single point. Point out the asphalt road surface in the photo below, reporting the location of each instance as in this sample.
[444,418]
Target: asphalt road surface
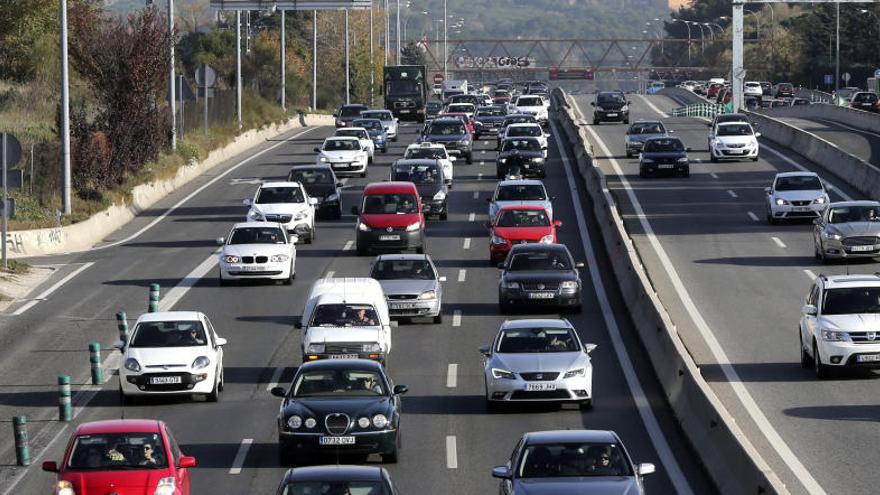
[861,143]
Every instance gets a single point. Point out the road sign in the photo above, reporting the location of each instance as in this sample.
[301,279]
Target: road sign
[13,149]
[206,76]
[184,91]
[14,178]
[845,77]
[569,74]
[829,79]
[438,77]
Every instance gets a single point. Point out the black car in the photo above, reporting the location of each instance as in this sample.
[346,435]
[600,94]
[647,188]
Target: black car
[610,106]
[427,175]
[784,90]
[543,274]
[766,88]
[339,406]
[347,113]
[522,156]
[433,108]
[321,183]
[664,154]
[335,479]
[451,133]
[488,120]
[514,118]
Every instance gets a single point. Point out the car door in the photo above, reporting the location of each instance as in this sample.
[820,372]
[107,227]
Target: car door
[212,342]
[808,329]
[183,477]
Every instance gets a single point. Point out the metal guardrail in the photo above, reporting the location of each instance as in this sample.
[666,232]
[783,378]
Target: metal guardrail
[707,110]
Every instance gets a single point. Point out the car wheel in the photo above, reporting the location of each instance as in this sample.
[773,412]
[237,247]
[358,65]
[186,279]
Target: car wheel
[586,404]
[394,139]
[686,173]
[469,159]
[285,458]
[338,213]
[755,159]
[221,281]
[820,254]
[626,121]
[629,155]
[363,174]
[821,369]
[126,400]
[712,158]
[595,121]
[577,309]
[806,360]
[214,395]
[771,219]
[439,318]
[289,279]
[494,406]
[392,457]
[444,215]
[361,251]
[503,306]
[420,249]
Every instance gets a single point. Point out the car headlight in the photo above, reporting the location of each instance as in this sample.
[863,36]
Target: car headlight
[372,347]
[201,362]
[568,285]
[364,423]
[299,216]
[315,349]
[64,487]
[780,202]
[255,215]
[503,160]
[332,197]
[682,160]
[363,227]
[512,285]
[279,258]
[428,294]
[537,160]
[132,365]
[624,108]
[380,421]
[324,159]
[440,196]
[574,373]
[498,374]
[294,422]
[231,258]
[831,235]
[647,160]
[599,109]
[498,240]
[413,227]
[464,142]
[547,239]
[819,201]
[166,486]
[311,423]
[835,336]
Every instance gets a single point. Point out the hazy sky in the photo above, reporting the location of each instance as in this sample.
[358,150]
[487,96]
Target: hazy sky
[675,4]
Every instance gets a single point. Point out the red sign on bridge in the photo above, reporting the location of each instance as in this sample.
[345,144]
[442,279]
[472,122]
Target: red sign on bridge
[566,74]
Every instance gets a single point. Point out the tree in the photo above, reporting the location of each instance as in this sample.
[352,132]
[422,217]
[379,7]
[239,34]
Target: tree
[413,54]
[23,25]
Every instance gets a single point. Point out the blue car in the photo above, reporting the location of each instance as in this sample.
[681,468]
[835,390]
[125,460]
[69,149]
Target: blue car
[376,130]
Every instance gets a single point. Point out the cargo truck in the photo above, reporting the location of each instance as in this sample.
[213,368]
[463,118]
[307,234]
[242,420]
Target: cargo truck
[406,91]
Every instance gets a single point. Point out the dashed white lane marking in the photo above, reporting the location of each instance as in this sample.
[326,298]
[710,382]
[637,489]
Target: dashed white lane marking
[652,106]
[330,274]
[482,162]
[482,152]
[452,375]
[173,296]
[467,243]
[779,242]
[810,274]
[240,456]
[476,194]
[46,293]
[714,175]
[472,217]
[753,216]
[732,194]
[462,275]
[485,143]
[480,176]
[456,318]
[348,246]
[451,453]
[276,375]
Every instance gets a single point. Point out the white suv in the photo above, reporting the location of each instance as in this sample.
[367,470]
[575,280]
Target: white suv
[287,203]
[840,324]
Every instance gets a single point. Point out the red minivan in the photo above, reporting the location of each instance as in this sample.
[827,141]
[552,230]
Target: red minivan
[390,218]
[124,456]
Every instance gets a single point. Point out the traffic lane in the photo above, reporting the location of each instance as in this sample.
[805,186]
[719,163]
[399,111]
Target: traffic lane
[861,143]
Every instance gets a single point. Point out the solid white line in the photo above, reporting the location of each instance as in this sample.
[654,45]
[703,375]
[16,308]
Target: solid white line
[476,194]
[732,194]
[456,318]
[779,242]
[348,246]
[330,274]
[452,375]
[276,375]
[714,175]
[46,293]
[782,449]
[173,296]
[810,274]
[753,216]
[860,131]
[467,243]
[472,217]
[638,394]
[652,106]
[240,456]
[451,453]
[462,274]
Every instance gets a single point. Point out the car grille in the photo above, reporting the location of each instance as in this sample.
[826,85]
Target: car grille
[343,348]
[549,394]
[279,218]
[337,423]
[539,376]
[860,241]
[736,145]
[865,338]
[801,203]
[250,259]
[404,104]
[399,297]
[540,285]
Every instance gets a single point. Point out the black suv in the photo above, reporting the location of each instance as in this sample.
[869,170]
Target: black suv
[347,113]
[542,274]
[610,106]
[451,133]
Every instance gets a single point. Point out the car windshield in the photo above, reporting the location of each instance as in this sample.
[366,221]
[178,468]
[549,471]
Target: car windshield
[345,315]
[522,218]
[573,459]
[529,102]
[664,145]
[519,120]
[426,153]
[336,488]
[117,452]
[336,382]
[490,112]
[358,133]
[847,214]
[525,130]
[273,195]
[865,97]
[734,130]
[308,177]
[540,260]
[446,128]
[377,114]
[403,270]
[851,300]
[647,128]
[606,98]
[798,183]
[419,174]
[389,204]
[168,334]
[342,145]
[257,235]
[529,340]
[403,87]
[521,193]
[460,108]
[521,144]
[369,124]
[352,111]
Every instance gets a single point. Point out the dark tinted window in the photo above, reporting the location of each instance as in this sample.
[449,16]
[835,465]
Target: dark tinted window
[118,451]
[342,145]
[612,98]
[274,195]
[403,270]
[664,145]
[446,128]
[521,144]
[352,111]
[336,487]
[798,183]
[541,260]
[427,153]
[521,193]
[168,334]
[257,235]
[307,177]
[573,460]
[419,174]
[390,204]
[338,382]
[532,130]
[377,114]
[529,102]
[403,87]
[491,112]
[522,218]
[524,340]
[734,130]
[369,124]
[854,300]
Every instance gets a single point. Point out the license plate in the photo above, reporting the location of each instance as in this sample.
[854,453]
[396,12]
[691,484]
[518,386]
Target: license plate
[801,208]
[253,268]
[389,237]
[540,387]
[664,165]
[165,380]
[343,356]
[861,248]
[868,358]
[612,115]
[404,111]
[541,295]
[337,441]
[736,152]
[403,306]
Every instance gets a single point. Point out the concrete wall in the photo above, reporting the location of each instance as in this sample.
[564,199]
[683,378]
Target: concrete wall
[84,235]
[730,459]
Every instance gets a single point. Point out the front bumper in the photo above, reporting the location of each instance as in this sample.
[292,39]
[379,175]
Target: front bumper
[341,168]
[846,354]
[573,389]
[836,249]
[367,442]
[374,241]
[797,211]
[373,356]
[200,382]
[634,147]
[434,207]
[653,168]
[723,152]
[407,308]
[243,271]
[611,116]
[541,298]
[456,148]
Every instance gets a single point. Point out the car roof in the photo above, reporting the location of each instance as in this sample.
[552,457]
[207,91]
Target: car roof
[847,281]
[524,124]
[333,473]
[797,174]
[312,166]
[390,187]
[352,128]
[536,322]
[444,118]
[536,247]
[241,225]
[561,436]
[416,161]
[859,202]
[170,315]
[280,184]
[647,121]
[342,138]
[402,256]
[523,206]
[425,144]
[336,364]
[119,426]
[520,182]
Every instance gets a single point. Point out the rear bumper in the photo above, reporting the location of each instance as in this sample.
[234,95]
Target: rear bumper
[372,241]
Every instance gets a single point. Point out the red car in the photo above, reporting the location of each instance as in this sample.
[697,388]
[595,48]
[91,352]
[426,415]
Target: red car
[390,218]
[713,90]
[517,225]
[122,456]
[464,118]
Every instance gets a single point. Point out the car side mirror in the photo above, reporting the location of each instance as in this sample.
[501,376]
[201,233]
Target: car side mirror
[317,150]
[313,201]
[557,223]
[589,348]
[485,350]
[687,149]
[670,131]
[293,239]
[221,241]
[817,221]
[592,103]
[442,279]
[298,324]
[810,310]
[247,202]
[186,462]
[501,472]
[50,466]
[757,134]
[400,389]
[335,115]
[339,184]
[119,345]
[646,468]
[278,392]
[221,341]
[487,225]
[354,210]
[579,264]
[365,149]
[767,190]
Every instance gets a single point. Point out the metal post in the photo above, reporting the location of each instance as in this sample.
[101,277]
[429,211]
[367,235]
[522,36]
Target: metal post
[837,49]
[154,299]
[445,42]
[397,34]
[122,326]
[738,73]
[65,408]
[22,449]
[182,117]
[387,33]
[172,80]
[238,66]
[205,101]
[347,68]
[95,362]
[314,60]
[5,205]
[247,32]
[372,67]
[283,62]
[65,114]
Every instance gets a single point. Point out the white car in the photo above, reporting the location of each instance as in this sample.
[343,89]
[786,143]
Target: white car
[734,140]
[466,108]
[363,136]
[287,203]
[519,192]
[538,360]
[796,195]
[345,155]
[257,250]
[171,353]
[532,104]
[389,121]
[527,130]
[839,322]
[437,89]
[433,151]
[753,88]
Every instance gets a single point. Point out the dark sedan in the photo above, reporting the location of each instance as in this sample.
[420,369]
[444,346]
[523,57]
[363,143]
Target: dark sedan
[520,157]
[427,175]
[339,406]
[543,274]
[433,108]
[321,183]
[610,106]
[488,120]
[664,154]
[452,133]
[367,480]
[347,113]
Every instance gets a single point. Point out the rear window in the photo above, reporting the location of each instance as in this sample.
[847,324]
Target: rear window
[446,128]
[663,145]
[352,111]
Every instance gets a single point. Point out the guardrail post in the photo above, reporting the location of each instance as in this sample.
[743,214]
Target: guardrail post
[65,408]
[22,449]
[154,298]
[122,325]
[95,360]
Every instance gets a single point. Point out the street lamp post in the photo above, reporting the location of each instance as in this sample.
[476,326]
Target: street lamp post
[688,26]
[65,115]
[445,42]
[397,34]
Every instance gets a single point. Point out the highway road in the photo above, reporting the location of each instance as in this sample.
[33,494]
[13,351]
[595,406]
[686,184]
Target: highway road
[860,142]
[450,441]
[734,286]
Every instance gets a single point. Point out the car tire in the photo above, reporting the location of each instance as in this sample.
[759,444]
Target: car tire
[643,173]
[595,121]
[444,215]
[629,155]
[686,173]
[361,251]
[127,400]
[394,455]
[420,249]
[494,406]
[394,139]
[221,281]
[285,458]
[821,369]
[214,395]
[586,405]
[469,159]
[439,318]
[577,309]
[806,360]
[755,159]
[363,174]
[712,158]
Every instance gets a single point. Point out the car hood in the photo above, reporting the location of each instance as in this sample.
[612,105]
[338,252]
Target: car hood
[641,138]
[862,322]
[427,191]
[254,249]
[595,485]
[355,407]
[560,275]
[132,481]
[800,195]
[497,205]
[336,156]
[407,286]
[382,220]
[280,208]
[735,139]
[318,335]
[539,361]
[855,228]
[524,233]
[158,356]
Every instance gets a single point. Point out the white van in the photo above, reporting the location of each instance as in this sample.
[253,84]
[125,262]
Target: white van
[346,318]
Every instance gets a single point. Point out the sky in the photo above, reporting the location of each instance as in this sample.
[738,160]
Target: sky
[675,4]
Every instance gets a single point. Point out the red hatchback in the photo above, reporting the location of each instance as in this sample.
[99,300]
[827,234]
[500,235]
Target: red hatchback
[518,225]
[390,218]
[122,456]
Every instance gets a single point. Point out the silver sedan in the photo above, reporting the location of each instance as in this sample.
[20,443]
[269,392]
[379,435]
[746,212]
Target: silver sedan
[538,360]
[848,229]
[411,284]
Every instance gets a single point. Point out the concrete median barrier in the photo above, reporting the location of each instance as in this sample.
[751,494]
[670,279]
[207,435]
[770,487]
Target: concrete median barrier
[859,119]
[732,462]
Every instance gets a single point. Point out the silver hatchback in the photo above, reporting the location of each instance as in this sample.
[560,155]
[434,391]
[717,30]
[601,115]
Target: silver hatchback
[641,131]
[411,284]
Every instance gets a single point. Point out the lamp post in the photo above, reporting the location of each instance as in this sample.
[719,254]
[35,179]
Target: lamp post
[688,26]
[757,23]
[445,43]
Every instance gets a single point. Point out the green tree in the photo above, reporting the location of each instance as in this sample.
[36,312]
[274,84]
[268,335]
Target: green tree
[24,24]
